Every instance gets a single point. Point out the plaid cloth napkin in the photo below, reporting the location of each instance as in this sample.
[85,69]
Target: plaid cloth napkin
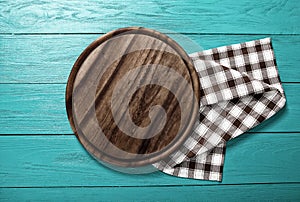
[240,88]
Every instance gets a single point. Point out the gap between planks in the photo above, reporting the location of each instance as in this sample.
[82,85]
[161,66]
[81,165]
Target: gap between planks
[185,185]
[184,33]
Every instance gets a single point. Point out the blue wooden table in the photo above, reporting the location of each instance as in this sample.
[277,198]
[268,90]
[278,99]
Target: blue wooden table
[40,158]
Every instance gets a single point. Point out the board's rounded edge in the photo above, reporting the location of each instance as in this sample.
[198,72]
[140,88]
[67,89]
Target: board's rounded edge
[187,60]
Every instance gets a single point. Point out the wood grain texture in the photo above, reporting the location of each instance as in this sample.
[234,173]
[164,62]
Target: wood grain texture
[261,192]
[40,109]
[35,161]
[28,59]
[29,106]
[110,62]
[249,16]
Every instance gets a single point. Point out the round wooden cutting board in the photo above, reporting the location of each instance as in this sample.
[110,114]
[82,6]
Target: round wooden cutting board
[132,97]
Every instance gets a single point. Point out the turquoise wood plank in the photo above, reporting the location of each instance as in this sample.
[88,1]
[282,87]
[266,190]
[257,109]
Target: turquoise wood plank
[49,58]
[261,192]
[33,109]
[205,16]
[43,161]
[40,109]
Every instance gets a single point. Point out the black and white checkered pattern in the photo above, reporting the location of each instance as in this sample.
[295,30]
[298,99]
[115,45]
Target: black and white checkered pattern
[240,88]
